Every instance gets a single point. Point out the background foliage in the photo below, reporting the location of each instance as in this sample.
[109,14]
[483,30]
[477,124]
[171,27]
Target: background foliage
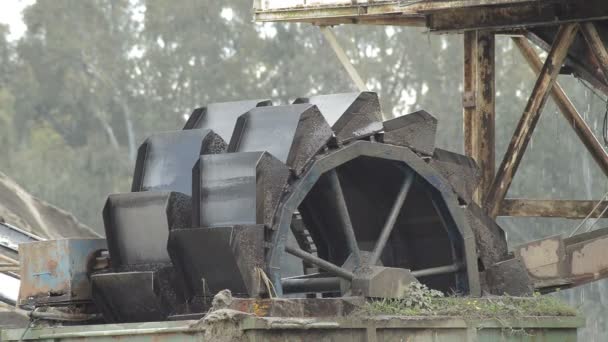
[91,78]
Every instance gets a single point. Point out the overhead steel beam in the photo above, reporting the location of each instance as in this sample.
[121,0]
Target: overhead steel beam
[530,117]
[306,13]
[572,209]
[574,119]
[537,13]
[330,37]
[479,105]
[384,20]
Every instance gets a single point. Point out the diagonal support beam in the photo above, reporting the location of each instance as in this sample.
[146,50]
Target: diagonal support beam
[574,119]
[530,117]
[597,46]
[330,37]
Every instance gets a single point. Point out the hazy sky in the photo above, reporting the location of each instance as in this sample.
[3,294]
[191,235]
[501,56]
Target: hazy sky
[10,13]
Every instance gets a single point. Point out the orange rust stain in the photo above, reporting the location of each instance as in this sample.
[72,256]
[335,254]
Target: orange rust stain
[242,306]
[52,266]
[260,309]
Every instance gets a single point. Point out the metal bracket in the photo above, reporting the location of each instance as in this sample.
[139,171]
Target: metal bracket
[468,99]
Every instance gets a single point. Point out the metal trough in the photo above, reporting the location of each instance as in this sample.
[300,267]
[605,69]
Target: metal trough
[251,328]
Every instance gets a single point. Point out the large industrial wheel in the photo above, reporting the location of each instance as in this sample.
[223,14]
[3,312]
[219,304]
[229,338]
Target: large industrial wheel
[369,203]
[212,207]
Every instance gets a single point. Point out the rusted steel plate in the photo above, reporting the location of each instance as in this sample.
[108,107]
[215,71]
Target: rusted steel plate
[587,256]
[55,271]
[544,259]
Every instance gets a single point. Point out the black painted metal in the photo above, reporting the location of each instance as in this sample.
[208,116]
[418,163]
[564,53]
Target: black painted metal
[461,171]
[293,134]
[146,296]
[237,189]
[415,130]
[355,197]
[214,259]
[311,285]
[137,226]
[221,117]
[350,115]
[165,160]
[459,234]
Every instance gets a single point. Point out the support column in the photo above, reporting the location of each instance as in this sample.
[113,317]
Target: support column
[479,103]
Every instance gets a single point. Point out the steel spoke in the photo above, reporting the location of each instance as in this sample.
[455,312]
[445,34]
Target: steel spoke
[326,265]
[438,270]
[347,225]
[392,218]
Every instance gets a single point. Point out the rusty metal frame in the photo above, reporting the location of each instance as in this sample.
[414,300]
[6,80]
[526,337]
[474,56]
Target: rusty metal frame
[443,15]
[479,103]
[576,121]
[523,133]
[480,20]
[496,204]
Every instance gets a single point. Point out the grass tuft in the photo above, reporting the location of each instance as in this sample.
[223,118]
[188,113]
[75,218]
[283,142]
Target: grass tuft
[427,303]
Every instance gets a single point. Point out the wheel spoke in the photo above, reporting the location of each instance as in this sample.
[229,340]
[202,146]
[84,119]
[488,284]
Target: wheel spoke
[392,218]
[326,265]
[438,270]
[347,225]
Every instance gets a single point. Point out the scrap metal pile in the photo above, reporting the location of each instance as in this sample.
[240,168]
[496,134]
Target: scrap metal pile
[372,205]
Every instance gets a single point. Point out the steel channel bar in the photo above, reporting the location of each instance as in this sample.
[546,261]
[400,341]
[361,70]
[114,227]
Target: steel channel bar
[326,265]
[438,270]
[347,225]
[331,284]
[307,276]
[392,218]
